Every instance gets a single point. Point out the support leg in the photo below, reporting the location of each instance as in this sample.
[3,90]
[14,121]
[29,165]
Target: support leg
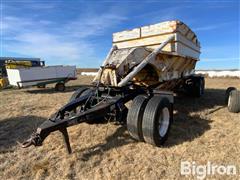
[66,140]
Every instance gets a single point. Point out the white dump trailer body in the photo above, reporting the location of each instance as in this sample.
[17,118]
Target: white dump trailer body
[150,55]
[185,42]
[34,75]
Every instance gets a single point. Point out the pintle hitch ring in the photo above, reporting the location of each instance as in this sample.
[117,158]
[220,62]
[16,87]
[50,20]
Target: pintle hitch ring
[35,140]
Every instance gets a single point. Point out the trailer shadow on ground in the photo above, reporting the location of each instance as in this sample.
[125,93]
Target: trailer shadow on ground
[119,138]
[192,117]
[183,129]
[17,129]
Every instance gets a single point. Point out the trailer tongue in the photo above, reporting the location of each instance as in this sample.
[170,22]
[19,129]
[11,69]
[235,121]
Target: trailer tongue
[141,67]
[90,107]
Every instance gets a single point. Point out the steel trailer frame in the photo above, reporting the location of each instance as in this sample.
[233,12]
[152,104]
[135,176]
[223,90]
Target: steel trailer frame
[101,102]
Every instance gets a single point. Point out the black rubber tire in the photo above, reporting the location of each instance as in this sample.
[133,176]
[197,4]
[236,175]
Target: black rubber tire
[135,115]
[150,121]
[198,87]
[195,86]
[227,93]
[78,93]
[60,87]
[234,101]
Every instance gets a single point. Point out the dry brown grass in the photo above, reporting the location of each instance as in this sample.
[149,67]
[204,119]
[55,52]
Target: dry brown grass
[105,151]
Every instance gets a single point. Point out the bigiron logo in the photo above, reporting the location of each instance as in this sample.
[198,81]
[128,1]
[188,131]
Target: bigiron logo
[202,171]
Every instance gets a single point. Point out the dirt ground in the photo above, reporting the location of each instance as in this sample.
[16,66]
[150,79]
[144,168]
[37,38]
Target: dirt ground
[203,130]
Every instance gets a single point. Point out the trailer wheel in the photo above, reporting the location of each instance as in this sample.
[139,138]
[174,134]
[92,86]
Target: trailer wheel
[134,117]
[227,93]
[82,91]
[234,101]
[198,87]
[60,87]
[195,86]
[157,120]
[78,93]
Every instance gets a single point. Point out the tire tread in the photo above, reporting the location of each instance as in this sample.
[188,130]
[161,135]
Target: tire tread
[134,117]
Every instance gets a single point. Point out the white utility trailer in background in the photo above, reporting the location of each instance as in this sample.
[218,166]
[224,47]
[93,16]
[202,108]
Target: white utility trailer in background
[41,76]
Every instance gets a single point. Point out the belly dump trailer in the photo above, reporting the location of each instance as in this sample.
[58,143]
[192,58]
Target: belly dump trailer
[145,65]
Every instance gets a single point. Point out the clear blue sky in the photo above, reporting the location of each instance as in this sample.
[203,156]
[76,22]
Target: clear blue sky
[80,33]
